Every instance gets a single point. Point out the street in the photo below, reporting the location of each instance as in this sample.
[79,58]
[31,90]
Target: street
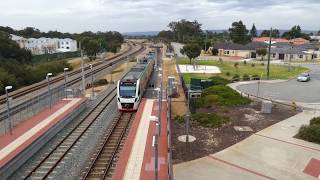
[292,90]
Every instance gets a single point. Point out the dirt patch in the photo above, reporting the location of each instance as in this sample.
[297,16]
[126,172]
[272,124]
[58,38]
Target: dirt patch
[179,106]
[212,140]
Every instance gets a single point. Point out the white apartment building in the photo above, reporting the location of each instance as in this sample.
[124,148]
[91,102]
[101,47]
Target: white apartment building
[44,45]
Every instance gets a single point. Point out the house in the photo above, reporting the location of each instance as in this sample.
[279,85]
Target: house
[267,39]
[238,50]
[279,51]
[296,41]
[46,45]
[304,52]
[315,38]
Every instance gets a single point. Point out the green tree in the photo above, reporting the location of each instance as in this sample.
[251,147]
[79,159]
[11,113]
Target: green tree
[184,30]
[266,33]
[239,33]
[295,32]
[262,52]
[191,50]
[253,31]
[166,35]
[91,47]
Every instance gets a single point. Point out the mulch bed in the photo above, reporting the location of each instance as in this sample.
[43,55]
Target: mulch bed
[212,140]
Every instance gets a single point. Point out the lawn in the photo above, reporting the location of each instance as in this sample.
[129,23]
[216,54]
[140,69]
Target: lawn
[276,71]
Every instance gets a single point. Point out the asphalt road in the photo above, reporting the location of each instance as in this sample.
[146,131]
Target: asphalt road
[292,90]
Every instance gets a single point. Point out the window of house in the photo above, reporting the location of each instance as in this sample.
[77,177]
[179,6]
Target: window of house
[291,56]
[67,42]
[300,56]
[274,55]
[68,48]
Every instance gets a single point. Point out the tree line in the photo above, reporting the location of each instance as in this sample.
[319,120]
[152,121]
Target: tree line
[16,65]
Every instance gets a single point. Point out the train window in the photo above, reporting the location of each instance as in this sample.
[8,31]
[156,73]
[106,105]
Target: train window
[127,91]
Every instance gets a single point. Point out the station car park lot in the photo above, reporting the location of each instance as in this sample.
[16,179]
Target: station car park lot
[292,90]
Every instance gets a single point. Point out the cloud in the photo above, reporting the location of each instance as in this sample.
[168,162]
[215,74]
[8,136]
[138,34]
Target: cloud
[143,15]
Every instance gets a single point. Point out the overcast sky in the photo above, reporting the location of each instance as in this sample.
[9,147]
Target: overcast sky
[146,15]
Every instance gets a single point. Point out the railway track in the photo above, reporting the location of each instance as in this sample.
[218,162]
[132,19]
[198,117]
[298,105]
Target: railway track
[101,166]
[107,63]
[53,158]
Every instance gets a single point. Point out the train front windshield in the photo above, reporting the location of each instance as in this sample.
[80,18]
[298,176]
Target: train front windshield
[127,91]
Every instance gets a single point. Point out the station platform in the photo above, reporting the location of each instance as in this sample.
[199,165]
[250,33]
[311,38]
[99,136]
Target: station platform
[137,160]
[28,137]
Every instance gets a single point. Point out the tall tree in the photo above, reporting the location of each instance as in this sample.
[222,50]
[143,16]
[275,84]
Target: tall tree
[253,31]
[191,50]
[266,33]
[184,30]
[239,33]
[91,47]
[295,32]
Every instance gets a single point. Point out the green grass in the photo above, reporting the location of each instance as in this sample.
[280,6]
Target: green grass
[221,95]
[187,76]
[276,71]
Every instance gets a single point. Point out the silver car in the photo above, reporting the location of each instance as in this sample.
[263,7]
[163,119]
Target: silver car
[304,77]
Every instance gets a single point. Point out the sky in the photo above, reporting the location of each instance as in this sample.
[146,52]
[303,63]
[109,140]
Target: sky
[154,15]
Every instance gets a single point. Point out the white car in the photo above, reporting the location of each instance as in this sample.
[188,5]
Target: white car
[304,77]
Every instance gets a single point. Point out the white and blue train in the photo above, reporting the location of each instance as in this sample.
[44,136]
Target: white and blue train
[131,87]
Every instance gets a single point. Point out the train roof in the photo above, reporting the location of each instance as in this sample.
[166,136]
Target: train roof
[134,74]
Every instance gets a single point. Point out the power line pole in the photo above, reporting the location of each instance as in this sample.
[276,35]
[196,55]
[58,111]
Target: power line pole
[82,71]
[269,55]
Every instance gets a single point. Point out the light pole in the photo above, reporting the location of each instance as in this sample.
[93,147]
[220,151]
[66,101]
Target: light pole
[65,81]
[7,88]
[49,90]
[155,146]
[82,71]
[91,68]
[269,55]
[111,74]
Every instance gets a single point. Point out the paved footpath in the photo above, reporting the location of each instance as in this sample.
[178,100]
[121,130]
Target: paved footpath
[272,153]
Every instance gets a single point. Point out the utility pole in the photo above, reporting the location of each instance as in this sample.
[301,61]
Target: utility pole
[7,88]
[269,55]
[65,81]
[82,71]
[205,43]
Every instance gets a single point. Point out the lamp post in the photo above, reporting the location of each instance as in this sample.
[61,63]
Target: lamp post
[91,68]
[82,71]
[111,74]
[65,81]
[269,54]
[49,90]
[7,88]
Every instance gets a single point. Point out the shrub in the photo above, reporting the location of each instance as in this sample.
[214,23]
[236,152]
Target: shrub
[253,65]
[236,77]
[217,80]
[246,77]
[100,82]
[255,77]
[228,74]
[179,119]
[236,65]
[310,133]
[210,120]
[245,62]
[221,95]
[262,64]
[315,121]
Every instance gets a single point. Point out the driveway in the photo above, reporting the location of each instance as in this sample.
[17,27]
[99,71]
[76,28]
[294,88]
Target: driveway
[305,92]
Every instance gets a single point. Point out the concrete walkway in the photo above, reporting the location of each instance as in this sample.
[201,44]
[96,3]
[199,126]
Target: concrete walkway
[272,153]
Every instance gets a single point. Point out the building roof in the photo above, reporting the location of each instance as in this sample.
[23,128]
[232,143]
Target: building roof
[234,46]
[267,39]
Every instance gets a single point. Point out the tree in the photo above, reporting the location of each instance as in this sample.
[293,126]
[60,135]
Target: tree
[91,47]
[261,52]
[239,33]
[253,31]
[166,35]
[266,33]
[184,30]
[191,50]
[295,32]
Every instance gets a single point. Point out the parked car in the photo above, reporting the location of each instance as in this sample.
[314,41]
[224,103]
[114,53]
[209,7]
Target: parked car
[304,77]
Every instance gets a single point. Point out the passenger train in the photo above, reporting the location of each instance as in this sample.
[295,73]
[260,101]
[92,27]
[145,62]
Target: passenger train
[131,87]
